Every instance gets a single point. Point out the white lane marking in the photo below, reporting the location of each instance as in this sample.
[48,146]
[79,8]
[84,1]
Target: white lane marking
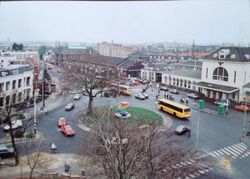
[216,153]
[237,149]
[213,154]
[231,152]
[219,152]
[224,151]
[243,145]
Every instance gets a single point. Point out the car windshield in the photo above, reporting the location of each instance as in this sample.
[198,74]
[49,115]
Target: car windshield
[67,128]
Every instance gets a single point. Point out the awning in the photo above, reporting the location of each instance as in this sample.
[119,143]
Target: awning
[216,87]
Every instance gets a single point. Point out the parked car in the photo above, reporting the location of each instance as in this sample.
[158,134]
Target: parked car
[15,124]
[242,107]
[145,95]
[77,96]
[181,129]
[69,107]
[224,102]
[67,130]
[61,122]
[175,91]
[164,88]
[140,96]
[6,152]
[192,95]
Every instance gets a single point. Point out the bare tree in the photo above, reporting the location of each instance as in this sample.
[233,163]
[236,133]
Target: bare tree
[92,78]
[34,157]
[8,113]
[125,151]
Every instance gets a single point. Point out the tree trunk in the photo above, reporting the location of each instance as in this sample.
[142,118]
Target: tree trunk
[90,105]
[31,173]
[13,143]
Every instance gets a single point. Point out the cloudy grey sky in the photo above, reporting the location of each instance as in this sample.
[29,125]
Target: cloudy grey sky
[205,21]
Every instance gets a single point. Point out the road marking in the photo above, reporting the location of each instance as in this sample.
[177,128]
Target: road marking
[213,154]
[216,153]
[241,147]
[219,152]
[202,171]
[237,149]
[225,151]
[232,149]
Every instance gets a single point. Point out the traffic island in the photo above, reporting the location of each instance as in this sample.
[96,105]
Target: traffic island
[137,116]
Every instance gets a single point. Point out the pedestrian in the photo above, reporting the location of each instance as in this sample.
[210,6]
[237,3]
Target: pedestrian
[156,97]
[167,96]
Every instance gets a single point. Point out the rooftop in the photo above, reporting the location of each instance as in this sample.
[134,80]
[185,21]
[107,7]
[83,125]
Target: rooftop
[237,54]
[186,72]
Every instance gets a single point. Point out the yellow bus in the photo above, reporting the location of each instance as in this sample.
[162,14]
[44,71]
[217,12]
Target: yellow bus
[174,108]
[123,89]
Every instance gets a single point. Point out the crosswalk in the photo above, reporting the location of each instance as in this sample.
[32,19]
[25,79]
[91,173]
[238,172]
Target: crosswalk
[238,150]
[234,151]
[201,168]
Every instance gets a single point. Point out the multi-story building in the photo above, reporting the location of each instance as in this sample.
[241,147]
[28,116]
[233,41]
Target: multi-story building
[224,74]
[16,84]
[114,50]
[21,56]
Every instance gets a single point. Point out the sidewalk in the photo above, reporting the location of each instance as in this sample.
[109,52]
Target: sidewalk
[54,166]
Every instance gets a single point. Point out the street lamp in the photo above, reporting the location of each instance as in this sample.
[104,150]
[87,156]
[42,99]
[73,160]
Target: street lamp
[36,92]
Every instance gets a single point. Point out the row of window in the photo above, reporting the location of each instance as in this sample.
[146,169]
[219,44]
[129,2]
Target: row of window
[15,84]
[18,97]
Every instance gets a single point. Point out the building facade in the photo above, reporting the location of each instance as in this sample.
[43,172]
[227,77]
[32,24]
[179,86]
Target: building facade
[114,50]
[224,74]
[16,84]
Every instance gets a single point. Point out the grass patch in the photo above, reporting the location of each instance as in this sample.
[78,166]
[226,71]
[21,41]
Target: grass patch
[141,116]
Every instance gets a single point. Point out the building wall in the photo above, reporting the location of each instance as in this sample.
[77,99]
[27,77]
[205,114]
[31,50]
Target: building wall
[5,61]
[22,55]
[114,50]
[25,90]
[240,68]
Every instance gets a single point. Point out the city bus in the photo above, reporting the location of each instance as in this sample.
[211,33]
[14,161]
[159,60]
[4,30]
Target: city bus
[123,89]
[174,108]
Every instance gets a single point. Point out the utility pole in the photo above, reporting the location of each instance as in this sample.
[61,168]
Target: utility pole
[43,84]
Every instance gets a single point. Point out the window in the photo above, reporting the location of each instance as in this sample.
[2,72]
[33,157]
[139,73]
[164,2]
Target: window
[7,86]
[19,83]
[206,72]
[221,74]
[234,76]
[13,84]
[28,81]
[1,87]
[19,97]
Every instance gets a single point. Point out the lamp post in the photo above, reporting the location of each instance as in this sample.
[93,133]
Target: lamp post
[36,92]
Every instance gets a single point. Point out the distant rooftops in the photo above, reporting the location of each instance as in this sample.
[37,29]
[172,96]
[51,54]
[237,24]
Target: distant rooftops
[237,54]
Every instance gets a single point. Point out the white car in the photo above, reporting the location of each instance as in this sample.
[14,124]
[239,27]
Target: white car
[192,95]
[224,102]
[15,124]
[69,107]
[175,91]
[140,96]
[77,96]
[145,95]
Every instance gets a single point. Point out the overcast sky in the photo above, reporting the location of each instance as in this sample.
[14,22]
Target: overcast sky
[205,21]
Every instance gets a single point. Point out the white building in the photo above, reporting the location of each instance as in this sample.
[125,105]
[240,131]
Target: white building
[16,84]
[21,55]
[224,74]
[5,61]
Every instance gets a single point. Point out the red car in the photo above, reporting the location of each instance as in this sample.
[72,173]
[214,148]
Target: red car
[242,107]
[67,130]
[61,122]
